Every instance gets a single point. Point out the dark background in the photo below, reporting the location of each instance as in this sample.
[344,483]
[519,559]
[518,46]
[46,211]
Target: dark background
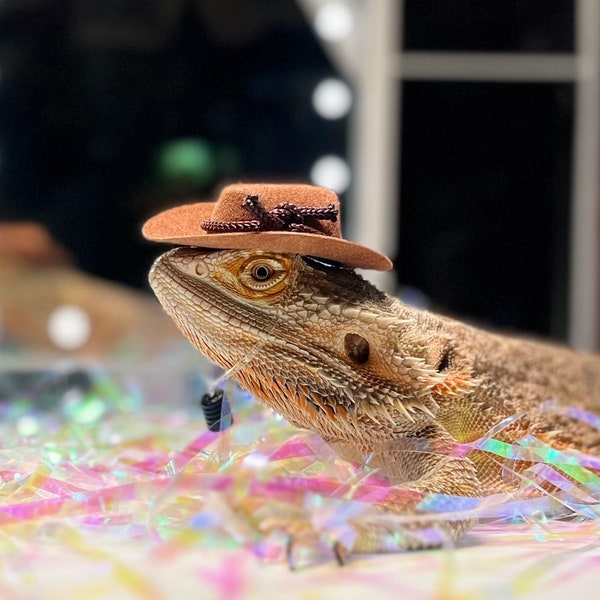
[92,93]
[486,168]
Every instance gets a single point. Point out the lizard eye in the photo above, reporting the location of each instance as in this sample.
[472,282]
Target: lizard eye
[264,275]
[261,272]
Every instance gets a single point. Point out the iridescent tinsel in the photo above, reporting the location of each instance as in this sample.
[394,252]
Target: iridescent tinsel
[102,459]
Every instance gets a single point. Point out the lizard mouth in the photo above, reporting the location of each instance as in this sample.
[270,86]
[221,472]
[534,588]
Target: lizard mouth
[205,315]
[181,293]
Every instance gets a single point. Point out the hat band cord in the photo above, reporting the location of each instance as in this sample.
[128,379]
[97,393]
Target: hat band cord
[284,217]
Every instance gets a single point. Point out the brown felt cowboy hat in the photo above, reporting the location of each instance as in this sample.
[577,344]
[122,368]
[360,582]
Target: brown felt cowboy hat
[290,218]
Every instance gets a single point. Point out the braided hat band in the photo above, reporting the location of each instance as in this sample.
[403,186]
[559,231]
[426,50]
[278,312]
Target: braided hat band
[284,217]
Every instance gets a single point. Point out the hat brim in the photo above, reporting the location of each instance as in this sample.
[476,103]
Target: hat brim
[181,225]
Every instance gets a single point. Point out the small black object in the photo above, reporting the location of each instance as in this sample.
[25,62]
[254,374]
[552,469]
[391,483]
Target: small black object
[216,410]
[324,264]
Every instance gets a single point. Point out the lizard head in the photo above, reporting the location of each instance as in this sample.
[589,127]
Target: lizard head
[310,338]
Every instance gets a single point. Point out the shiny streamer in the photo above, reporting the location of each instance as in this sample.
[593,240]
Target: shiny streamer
[104,463]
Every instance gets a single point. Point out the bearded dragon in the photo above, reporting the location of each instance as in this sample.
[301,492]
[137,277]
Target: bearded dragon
[320,345]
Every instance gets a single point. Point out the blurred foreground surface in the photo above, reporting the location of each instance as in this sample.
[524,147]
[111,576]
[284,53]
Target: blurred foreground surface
[120,492]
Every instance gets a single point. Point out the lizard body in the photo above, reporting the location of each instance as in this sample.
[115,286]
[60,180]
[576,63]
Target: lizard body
[372,376]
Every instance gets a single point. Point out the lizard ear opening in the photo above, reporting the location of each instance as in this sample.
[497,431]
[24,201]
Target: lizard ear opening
[357,348]
[444,361]
[442,355]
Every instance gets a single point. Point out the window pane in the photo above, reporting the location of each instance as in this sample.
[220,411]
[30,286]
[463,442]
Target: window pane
[485,200]
[493,25]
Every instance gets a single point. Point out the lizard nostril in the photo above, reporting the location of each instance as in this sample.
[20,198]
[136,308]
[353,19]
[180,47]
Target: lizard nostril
[201,269]
[357,348]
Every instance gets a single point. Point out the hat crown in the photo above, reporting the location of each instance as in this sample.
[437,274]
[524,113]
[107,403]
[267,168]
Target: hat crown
[231,207]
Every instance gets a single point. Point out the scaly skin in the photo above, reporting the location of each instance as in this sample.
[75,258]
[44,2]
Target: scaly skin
[373,377]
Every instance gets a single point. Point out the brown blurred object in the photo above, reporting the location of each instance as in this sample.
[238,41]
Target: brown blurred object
[31,242]
[125,323]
